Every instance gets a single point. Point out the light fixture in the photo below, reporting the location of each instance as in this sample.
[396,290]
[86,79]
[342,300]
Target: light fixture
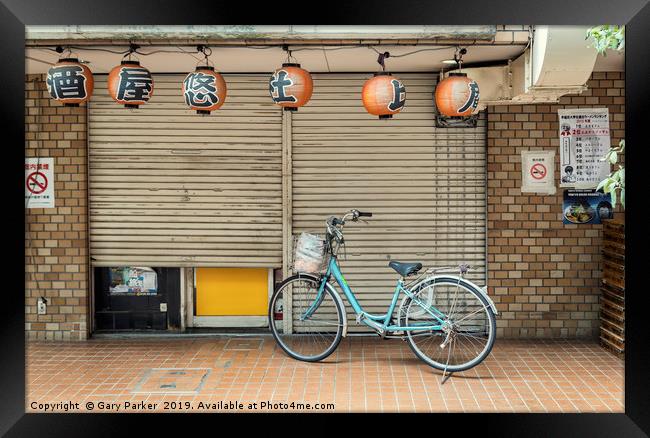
[384,94]
[457,95]
[129,83]
[204,89]
[290,86]
[69,81]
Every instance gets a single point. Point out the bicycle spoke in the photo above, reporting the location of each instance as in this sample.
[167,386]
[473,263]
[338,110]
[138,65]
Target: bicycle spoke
[467,325]
[310,336]
[467,316]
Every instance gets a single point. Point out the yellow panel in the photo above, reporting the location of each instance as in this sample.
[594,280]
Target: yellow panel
[232,291]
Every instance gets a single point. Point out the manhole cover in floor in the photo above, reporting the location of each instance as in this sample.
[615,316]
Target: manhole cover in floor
[172,381]
[243,344]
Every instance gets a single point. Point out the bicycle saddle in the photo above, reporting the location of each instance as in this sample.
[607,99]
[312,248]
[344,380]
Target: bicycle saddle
[405,269]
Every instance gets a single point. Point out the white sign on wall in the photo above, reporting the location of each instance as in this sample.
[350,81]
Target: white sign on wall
[537,172]
[584,140]
[39,183]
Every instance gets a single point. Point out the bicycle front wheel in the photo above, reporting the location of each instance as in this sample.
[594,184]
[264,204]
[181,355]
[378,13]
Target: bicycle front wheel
[307,325]
[467,324]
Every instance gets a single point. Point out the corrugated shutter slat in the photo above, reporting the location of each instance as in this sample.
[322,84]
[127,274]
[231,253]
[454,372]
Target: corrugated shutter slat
[169,187]
[424,185]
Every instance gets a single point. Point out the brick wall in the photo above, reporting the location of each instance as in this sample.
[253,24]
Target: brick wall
[56,245]
[543,275]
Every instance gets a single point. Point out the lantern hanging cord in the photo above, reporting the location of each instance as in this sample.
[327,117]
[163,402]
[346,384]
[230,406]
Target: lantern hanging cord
[381,60]
[207,51]
[458,57]
[286,48]
[68,49]
[133,48]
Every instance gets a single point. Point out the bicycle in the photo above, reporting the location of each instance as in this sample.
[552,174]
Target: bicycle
[448,321]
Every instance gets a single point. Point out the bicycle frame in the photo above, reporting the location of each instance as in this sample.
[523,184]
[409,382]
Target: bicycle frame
[381,321]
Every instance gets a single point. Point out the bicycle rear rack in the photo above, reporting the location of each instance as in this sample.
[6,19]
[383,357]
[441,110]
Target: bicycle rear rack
[431,271]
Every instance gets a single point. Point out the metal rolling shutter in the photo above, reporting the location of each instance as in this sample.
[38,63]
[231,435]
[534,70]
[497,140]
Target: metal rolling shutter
[425,186]
[169,187]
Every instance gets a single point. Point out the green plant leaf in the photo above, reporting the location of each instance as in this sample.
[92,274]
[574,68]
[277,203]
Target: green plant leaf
[608,185]
[621,172]
[613,195]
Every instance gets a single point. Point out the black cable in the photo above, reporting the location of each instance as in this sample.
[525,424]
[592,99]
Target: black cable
[97,49]
[428,49]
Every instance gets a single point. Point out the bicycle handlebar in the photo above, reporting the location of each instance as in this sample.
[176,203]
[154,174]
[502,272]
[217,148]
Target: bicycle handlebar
[333,222]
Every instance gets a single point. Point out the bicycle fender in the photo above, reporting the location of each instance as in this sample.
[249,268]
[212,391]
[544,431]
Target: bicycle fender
[483,291]
[480,290]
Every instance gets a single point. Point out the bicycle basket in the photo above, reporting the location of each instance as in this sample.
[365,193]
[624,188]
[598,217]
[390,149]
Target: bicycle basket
[310,255]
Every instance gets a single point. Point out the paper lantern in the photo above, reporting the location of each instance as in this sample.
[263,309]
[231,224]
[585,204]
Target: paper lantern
[204,90]
[130,84]
[457,95]
[291,86]
[383,95]
[70,82]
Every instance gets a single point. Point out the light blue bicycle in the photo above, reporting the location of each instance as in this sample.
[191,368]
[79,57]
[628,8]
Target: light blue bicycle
[448,321]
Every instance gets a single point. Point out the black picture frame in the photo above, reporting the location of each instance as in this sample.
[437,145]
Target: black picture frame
[635,14]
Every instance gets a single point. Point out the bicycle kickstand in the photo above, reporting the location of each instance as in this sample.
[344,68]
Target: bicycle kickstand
[445,377]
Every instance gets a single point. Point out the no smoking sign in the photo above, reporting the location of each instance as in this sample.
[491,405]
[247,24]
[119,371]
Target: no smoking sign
[36,182]
[39,183]
[537,170]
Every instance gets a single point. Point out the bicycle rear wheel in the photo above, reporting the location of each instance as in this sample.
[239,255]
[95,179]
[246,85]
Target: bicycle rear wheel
[468,326]
[312,327]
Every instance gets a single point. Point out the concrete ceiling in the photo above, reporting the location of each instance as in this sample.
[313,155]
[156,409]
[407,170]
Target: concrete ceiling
[242,59]
[613,61]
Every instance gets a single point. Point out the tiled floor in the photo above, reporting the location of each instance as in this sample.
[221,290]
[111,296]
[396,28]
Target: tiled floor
[364,374]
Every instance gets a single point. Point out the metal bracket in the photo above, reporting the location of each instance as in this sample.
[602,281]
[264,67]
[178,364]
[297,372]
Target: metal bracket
[456,122]
[463,268]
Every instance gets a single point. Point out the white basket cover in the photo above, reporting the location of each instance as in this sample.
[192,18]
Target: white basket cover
[309,254]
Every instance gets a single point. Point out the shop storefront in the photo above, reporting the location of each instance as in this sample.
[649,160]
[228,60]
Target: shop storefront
[172,189]
[174,220]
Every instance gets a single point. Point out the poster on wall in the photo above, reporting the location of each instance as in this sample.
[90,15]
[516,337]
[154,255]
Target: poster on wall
[586,206]
[39,182]
[133,281]
[537,172]
[584,140]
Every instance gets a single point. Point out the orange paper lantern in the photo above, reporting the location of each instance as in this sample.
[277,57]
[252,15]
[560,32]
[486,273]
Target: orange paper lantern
[383,95]
[130,84]
[204,90]
[457,95]
[291,86]
[70,82]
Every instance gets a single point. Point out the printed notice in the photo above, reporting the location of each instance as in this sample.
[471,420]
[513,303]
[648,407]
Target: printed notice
[39,182]
[537,172]
[584,140]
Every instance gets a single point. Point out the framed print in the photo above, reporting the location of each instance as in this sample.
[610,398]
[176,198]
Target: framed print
[357,215]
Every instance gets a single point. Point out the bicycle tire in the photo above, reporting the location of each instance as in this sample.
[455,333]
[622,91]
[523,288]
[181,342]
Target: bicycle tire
[491,318]
[278,337]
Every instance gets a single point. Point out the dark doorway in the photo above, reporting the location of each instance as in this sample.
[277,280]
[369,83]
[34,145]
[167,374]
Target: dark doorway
[137,298]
